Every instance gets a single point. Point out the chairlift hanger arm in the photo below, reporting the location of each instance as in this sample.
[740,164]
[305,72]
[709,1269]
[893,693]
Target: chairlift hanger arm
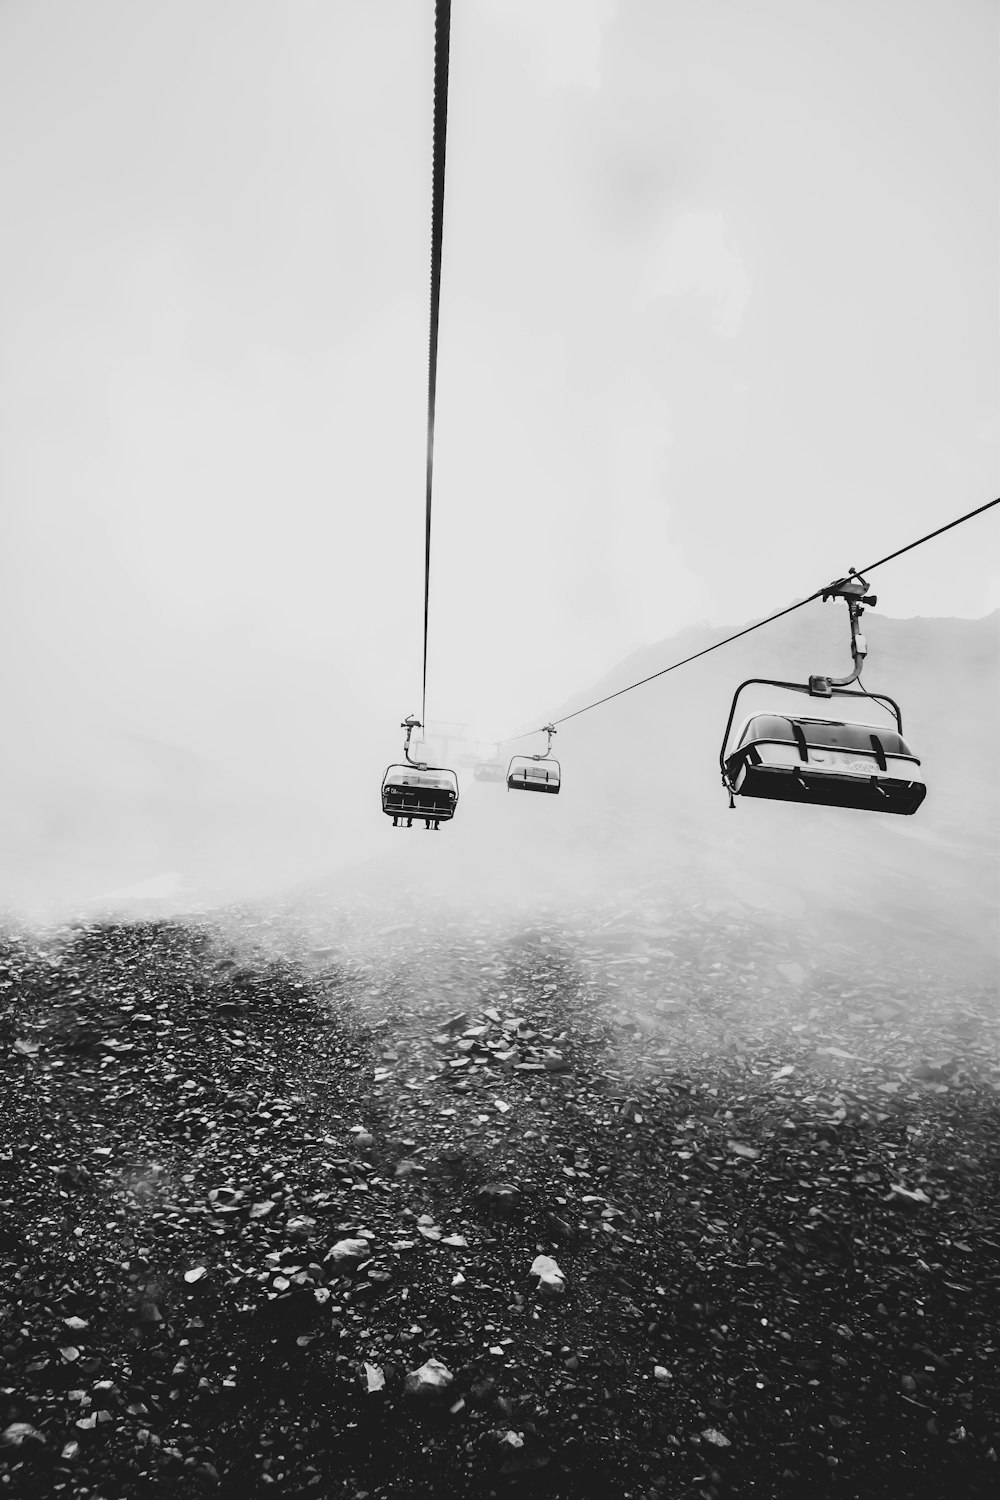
[550,730]
[410,723]
[852,590]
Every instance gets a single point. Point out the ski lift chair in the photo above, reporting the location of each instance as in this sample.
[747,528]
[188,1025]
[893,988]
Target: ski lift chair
[535,773]
[415,790]
[823,761]
[827,762]
[427,792]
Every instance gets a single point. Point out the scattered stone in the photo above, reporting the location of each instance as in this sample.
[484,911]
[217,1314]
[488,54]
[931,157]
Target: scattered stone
[908,1195]
[408,1167]
[301,1227]
[560,1227]
[349,1252]
[20,1433]
[431,1379]
[680,1249]
[551,1280]
[502,1197]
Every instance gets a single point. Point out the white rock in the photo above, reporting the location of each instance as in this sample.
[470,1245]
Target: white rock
[550,1279]
[431,1378]
[19,1433]
[350,1250]
[301,1227]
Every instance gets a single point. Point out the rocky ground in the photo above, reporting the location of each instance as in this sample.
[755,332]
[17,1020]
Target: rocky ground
[273,1210]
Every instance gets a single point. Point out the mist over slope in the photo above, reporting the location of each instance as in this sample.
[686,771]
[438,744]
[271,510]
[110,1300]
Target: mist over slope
[642,797]
[205,773]
[273,779]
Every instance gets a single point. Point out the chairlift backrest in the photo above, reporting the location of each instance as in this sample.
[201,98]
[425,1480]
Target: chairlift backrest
[419,787]
[822,733]
[442,779]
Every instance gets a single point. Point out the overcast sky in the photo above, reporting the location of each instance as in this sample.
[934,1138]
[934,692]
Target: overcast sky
[719,320]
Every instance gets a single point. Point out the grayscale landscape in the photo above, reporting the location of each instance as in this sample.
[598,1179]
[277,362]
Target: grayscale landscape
[399,396]
[736,1073]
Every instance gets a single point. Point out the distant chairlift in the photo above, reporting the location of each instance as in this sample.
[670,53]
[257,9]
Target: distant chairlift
[824,761]
[416,790]
[490,770]
[535,773]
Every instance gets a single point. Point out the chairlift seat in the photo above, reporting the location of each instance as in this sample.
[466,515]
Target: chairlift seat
[428,792]
[865,766]
[526,774]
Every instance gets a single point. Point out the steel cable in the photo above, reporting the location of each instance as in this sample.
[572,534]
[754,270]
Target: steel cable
[442,47]
[758,625]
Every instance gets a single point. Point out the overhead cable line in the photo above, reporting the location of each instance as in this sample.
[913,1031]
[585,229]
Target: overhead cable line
[759,624]
[442,45]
